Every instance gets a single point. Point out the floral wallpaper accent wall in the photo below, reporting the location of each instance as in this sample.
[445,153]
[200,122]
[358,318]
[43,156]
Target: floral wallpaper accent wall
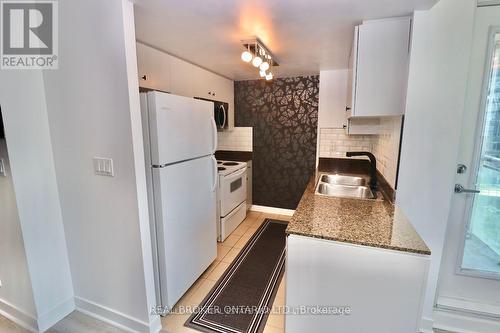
[284,117]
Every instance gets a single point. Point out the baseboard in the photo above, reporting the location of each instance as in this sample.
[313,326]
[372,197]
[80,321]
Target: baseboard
[18,316]
[462,322]
[467,306]
[272,210]
[426,325]
[115,318]
[49,319]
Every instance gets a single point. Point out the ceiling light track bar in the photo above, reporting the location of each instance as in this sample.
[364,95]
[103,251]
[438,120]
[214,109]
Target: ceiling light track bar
[254,45]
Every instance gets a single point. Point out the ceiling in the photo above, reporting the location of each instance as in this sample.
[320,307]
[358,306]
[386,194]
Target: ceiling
[305,35]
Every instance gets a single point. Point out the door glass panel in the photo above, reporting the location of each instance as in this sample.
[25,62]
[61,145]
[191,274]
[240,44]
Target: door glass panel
[482,243]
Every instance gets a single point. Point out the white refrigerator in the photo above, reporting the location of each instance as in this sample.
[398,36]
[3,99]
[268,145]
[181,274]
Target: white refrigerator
[180,138]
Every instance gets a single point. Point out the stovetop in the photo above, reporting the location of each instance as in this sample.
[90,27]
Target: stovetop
[228,167]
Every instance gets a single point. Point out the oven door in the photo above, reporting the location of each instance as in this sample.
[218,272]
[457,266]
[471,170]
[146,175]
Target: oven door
[233,191]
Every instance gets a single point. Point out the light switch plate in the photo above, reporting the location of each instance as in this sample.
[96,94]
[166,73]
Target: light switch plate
[3,172]
[103,167]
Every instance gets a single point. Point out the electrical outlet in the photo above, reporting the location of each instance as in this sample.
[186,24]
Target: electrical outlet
[103,167]
[3,173]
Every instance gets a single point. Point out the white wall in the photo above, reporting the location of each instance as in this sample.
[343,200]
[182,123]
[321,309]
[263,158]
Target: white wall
[435,102]
[16,292]
[91,99]
[31,158]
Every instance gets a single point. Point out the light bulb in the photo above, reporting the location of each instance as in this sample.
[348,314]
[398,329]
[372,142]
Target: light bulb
[246,56]
[262,73]
[257,61]
[264,66]
[269,76]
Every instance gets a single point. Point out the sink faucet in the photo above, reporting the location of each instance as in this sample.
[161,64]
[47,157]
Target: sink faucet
[373,166]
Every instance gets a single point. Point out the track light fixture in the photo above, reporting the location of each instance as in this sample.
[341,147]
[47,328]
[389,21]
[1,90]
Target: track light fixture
[260,57]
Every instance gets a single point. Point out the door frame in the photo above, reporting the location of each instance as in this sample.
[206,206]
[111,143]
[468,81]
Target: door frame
[476,159]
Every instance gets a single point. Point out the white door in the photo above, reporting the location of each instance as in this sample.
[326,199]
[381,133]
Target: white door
[181,128]
[470,273]
[185,203]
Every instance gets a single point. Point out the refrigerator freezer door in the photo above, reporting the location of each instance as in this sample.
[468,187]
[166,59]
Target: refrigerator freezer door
[181,128]
[186,224]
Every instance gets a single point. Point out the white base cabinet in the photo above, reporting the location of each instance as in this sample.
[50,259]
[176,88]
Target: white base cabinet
[383,289]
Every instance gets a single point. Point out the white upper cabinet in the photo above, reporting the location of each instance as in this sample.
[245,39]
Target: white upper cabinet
[154,68]
[379,68]
[182,81]
[170,74]
[332,95]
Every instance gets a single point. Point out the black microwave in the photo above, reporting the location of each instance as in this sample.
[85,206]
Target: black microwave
[221,113]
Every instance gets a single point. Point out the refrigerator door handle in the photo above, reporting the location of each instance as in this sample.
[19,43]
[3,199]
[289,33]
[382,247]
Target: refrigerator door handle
[214,135]
[215,174]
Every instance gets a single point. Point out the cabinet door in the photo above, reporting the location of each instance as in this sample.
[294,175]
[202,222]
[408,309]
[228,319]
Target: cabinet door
[332,95]
[382,67]
[155,65]
[225,92]
[182,78]
[351,79]
[202,83]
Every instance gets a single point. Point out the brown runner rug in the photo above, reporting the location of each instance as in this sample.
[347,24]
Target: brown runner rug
[241,300]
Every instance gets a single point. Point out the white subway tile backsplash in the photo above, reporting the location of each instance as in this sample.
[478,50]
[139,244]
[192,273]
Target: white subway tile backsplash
[237,139]
[335,142]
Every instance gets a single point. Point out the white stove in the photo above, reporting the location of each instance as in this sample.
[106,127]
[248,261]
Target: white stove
[231,197]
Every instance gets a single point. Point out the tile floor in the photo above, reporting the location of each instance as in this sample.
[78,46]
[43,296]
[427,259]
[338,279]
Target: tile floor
[76,322]
[226,252]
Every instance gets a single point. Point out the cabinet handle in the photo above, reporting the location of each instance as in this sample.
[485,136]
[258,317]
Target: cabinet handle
[344,126]
[347,108]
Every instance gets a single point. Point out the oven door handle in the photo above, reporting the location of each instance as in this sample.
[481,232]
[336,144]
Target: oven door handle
[236,174]
[215,173]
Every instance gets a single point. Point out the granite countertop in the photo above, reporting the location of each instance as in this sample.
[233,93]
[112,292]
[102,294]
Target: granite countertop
[375,223]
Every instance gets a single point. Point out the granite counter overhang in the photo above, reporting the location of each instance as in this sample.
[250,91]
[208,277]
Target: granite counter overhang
[373,223]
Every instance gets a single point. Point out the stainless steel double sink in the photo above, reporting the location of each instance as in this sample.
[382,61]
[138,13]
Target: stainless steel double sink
[344,186]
